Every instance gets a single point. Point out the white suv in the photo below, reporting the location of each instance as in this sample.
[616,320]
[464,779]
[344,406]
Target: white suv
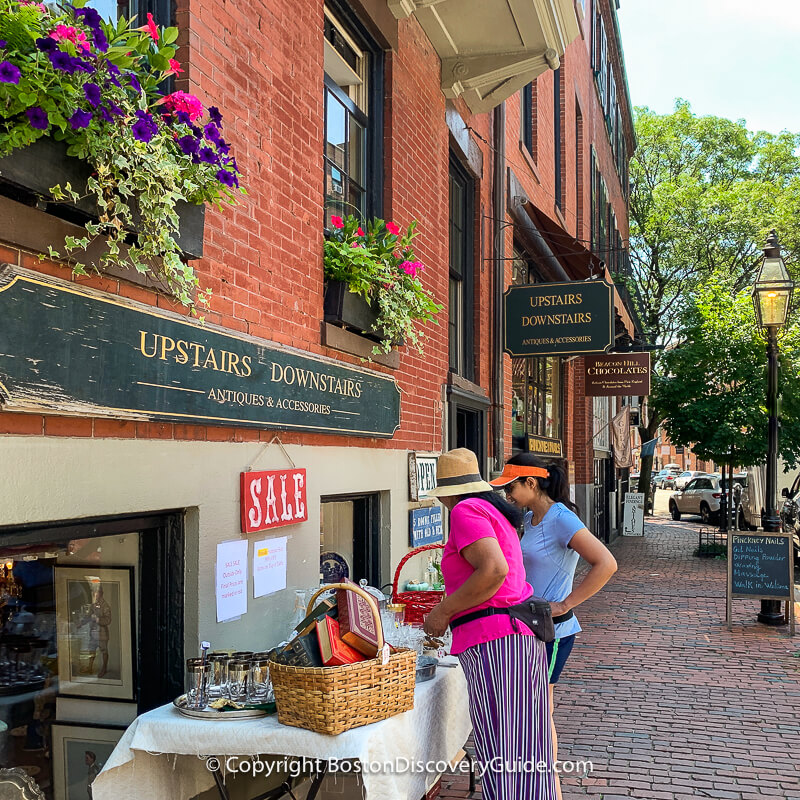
[683,479]
[702,496]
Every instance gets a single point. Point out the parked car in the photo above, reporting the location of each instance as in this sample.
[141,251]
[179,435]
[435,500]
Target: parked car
[668,481]
[685,477]
[702,495]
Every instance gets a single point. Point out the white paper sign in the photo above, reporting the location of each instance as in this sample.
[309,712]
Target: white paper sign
[231,579]
[633,514]
[269,566]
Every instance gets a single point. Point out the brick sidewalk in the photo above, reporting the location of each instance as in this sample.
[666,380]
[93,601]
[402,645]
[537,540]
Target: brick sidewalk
[665,702]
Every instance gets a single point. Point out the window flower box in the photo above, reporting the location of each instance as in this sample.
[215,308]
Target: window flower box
[38,167]
[349,310]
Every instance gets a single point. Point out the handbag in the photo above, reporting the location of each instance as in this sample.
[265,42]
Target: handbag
[535,613]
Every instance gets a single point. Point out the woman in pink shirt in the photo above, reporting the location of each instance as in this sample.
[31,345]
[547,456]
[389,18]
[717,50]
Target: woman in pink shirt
[505,667]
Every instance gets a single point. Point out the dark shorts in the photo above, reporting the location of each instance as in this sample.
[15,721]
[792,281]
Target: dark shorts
[562,654]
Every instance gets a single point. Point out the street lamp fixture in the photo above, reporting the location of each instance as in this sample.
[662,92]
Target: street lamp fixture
[772,294]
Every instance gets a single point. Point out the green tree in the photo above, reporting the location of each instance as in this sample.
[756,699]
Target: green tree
[705,192]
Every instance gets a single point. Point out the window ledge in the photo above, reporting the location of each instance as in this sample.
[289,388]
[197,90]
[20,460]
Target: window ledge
[348,342]
[530,162]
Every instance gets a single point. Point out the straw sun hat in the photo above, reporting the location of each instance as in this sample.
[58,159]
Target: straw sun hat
[457,473]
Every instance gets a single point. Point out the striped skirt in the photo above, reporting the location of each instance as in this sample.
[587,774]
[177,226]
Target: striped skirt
[509,707]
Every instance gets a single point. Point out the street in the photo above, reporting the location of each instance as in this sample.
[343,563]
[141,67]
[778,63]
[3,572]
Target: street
[661,698]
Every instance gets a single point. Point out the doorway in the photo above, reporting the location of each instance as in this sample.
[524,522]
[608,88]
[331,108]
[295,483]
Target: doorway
[349,538]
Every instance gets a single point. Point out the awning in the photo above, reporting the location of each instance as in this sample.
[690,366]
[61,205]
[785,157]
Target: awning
[490,49]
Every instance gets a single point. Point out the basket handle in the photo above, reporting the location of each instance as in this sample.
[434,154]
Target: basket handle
[405,558]
[351,587]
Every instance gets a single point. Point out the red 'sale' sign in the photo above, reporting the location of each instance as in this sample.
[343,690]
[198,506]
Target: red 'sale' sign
[273,499]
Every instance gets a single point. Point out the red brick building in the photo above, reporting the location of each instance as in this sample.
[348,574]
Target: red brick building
[505,134]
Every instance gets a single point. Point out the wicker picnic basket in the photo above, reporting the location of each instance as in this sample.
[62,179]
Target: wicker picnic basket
[418,604]
[335,699]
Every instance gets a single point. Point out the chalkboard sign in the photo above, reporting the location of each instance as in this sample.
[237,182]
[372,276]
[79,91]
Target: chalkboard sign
[760,565]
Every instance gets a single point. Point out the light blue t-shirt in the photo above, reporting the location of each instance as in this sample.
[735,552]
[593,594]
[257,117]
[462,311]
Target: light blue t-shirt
[549,563]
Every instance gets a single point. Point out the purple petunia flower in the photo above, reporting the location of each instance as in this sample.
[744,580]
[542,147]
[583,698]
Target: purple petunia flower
[188,145]
[105,114]
[223,147]
[62,61]
[145,127]
[82,65]
[9,73]
[80,119]
[115,109]
[183,118]
[112,68]
[37,117]
[227,178]
[90,16]
[215,116]
[47,45]
[92,93]
[100,40]
[212,133]
[208,156]
[134,82]
[3,44]
[112,81]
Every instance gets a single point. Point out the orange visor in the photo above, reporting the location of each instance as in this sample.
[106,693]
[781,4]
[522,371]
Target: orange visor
[513,471]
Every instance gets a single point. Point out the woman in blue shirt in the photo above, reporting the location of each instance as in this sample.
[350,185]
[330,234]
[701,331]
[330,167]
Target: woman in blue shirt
[553,541]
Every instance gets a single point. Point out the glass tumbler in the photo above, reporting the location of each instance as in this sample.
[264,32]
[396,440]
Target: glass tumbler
[238,673]
[259,687]
[219,674]
[198,677]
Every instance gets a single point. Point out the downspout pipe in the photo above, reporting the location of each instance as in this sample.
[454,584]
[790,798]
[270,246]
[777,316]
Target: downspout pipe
[498,283]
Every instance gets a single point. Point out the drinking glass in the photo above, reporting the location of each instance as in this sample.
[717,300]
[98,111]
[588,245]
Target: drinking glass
[218,684]
[198,677]
[259,687]
[238,673]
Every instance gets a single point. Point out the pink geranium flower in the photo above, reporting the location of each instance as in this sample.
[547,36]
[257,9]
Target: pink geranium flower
[392,228]
[337,222]
[412,268]
[152,27]
[360,232]
[175,67]
[183,101]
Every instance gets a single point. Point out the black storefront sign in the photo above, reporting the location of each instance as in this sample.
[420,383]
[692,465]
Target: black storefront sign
[549,319]
[69,349]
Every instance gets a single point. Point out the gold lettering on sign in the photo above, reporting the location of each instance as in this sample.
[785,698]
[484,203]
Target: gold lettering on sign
[297,376]
[181,351]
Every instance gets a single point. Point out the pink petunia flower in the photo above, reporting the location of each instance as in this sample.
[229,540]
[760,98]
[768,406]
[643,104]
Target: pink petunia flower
[360,232]
[152,27]
[392,228]
[337,222]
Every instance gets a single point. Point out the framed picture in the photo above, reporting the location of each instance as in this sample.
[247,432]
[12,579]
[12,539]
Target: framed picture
[79,752]
[96,631]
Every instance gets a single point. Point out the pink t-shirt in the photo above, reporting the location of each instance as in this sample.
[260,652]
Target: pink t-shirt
[470,520]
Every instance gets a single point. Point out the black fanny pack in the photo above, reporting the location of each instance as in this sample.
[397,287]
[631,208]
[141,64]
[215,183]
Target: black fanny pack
[534,613]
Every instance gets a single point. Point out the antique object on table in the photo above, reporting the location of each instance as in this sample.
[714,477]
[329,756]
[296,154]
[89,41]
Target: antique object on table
[426,668]
[259,685]
[418,603]
[335,651]
[334,699]
[198,679]
[334,568]
[16,784]
[218,686]
[209,713]
[357,627]
[238,673]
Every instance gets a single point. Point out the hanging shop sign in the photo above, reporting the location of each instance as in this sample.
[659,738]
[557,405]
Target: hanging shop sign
[273,499]
[425,526]
[558,319]
[617,375]
[543,446]
[421,476]
[70,349]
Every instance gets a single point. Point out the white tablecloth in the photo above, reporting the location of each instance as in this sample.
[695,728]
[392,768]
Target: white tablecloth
[157,756]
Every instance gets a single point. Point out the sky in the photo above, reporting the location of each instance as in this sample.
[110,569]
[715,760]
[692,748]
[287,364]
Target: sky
[730,58]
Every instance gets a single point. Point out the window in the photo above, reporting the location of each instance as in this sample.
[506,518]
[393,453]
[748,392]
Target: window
[137,10]
[558,140]
[528,122]
[353,100]
[602,434]
[578,172]
[536,382]
[461,321]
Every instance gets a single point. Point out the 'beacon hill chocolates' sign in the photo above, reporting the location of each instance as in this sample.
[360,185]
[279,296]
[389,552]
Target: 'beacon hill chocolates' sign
[558,319]
[617,375]
[67,348]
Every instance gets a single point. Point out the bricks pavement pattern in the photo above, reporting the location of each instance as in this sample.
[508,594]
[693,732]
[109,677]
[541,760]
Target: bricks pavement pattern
[662,699]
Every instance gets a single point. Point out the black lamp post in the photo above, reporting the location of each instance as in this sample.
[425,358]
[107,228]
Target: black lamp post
[772,294]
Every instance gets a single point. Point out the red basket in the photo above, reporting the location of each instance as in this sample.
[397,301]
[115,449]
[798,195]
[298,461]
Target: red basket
[417,603]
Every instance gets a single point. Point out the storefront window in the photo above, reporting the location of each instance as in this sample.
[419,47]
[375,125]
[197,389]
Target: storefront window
[536,382]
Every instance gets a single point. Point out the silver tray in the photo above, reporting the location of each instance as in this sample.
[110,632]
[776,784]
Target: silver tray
[213,714]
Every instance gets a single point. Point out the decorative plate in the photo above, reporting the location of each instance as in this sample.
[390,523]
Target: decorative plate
[334,567]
